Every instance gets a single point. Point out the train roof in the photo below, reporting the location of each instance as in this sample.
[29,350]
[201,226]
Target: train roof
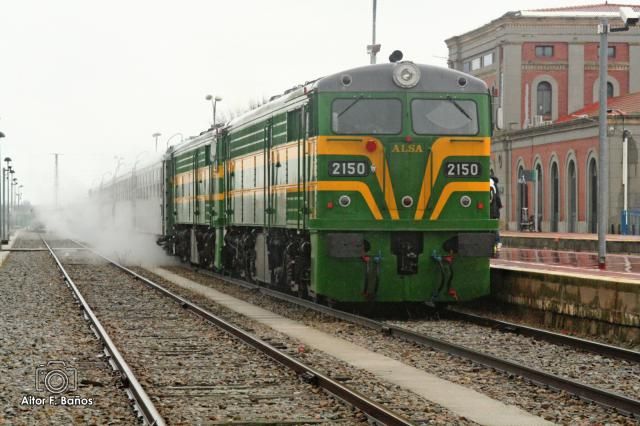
[379,78]
[368,78]
[192,142]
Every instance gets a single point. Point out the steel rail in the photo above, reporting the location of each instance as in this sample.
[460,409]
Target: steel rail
[144,404]
[623,404]
[371,408]
[549,336]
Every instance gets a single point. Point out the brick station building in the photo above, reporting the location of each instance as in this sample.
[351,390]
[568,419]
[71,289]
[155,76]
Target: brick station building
[542,68]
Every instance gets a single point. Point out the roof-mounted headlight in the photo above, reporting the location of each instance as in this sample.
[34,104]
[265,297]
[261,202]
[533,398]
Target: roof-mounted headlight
[406,75]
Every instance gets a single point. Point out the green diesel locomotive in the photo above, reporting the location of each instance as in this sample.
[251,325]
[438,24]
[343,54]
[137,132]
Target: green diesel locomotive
[371,184]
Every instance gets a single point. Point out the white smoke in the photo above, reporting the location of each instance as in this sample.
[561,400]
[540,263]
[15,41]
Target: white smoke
[110,227]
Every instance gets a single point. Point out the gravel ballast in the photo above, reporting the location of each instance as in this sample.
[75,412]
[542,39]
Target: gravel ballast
[194,372]
[554,406]
[41,322]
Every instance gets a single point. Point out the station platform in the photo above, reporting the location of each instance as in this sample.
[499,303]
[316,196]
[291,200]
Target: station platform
[558,274]
[578,264]
[582,242]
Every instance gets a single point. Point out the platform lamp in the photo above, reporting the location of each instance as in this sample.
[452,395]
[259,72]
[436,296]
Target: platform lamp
[12,183]
[5,187]
[2,135]
[18,200]
[214,102]
[156,135]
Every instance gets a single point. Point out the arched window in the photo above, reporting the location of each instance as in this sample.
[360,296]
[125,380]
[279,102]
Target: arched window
[593,196]
[544,98]
[555,197]
[572,196]
[609,89]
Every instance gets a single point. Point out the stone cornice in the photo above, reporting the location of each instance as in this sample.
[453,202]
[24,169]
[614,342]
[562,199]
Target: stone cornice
[567,126]
[556,66]
[616,66]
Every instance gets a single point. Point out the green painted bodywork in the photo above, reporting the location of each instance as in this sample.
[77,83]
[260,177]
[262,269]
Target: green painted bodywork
[282,194]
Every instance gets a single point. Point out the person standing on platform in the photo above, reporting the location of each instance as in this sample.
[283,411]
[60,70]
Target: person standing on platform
[495,205]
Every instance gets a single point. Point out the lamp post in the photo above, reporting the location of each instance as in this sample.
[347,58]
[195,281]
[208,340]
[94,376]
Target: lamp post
[18,200]
[2,135]
[10,183]
[214,102]
[5,199]
[156,135]
[172,136]
[13,203]
[629,17]
[373,48]
[3,206]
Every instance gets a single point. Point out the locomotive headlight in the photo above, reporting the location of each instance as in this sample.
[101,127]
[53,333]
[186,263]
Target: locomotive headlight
[465,201]
[344,201]
[406,75]
[407,201]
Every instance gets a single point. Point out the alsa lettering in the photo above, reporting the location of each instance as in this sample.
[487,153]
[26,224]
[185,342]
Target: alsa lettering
[406,148]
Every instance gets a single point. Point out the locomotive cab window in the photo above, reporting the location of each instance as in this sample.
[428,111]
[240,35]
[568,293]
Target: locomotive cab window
[366,116]
[447,116]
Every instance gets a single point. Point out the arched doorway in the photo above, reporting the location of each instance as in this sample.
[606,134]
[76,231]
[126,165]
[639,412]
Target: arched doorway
[572,197]
[593,196]
[539,195]
[555,197]
[521,204]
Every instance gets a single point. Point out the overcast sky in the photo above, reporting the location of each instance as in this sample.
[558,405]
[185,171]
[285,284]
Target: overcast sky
[94,80]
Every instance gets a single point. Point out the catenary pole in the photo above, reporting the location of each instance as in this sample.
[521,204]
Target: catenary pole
[603,175]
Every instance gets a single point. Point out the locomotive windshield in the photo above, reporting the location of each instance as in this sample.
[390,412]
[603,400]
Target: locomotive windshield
[444,117]
[372,116]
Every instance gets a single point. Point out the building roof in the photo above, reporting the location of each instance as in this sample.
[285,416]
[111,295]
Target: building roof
[626,104]
[602,7]
[587,11]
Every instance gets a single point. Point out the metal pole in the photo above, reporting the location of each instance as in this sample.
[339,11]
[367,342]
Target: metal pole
[373,35]
[625,169]
[13,205]
[156,135]
[2,209]
[3,204]
[10,185]
[535,189]
[603,175]
[215,103]
[5,185]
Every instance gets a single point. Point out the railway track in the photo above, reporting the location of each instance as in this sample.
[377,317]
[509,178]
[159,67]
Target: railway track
[623,404]
[549,336]
[110,303]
